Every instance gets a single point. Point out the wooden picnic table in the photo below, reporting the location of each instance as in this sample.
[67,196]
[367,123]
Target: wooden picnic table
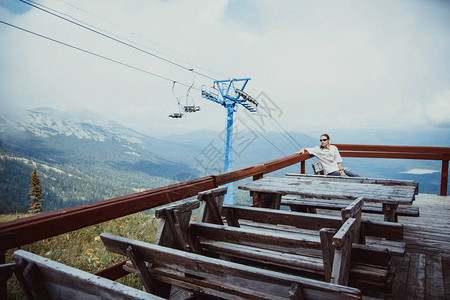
[269,190]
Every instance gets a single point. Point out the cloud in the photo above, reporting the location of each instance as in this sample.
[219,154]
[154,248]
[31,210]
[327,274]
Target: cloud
[326,64]
[420,171]
[438,110]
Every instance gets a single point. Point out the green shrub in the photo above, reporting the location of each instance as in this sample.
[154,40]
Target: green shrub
[83,248]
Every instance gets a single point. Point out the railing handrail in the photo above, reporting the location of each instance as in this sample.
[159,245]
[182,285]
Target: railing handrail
[27,230]
[17,233]
[390,148]
[34,228]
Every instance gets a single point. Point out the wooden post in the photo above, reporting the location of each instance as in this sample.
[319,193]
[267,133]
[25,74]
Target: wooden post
[326,242]
[3,285]
[444,178]
[302,167]
[389,212]
[256,177]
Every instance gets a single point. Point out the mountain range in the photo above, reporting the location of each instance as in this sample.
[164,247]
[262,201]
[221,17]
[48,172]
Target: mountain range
[82,157]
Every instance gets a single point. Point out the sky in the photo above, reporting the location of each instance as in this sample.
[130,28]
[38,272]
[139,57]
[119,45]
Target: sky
[313,64]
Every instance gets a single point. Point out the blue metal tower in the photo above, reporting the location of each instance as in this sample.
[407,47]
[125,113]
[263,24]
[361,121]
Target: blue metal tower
[230,93]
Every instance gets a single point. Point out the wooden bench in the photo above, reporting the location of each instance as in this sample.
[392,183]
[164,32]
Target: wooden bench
[217,277]
[42,278]
[294,252]
[377,252]
[302,204]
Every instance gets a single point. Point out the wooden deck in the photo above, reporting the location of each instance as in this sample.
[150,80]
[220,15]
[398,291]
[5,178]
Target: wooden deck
[424,271]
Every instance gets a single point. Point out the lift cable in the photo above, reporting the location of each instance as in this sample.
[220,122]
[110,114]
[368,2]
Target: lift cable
[261,134]
[115,39]
[286,133]
[36,5]
[184,60]
[95,54]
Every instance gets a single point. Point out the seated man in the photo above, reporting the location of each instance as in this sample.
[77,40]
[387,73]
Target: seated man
[329,156]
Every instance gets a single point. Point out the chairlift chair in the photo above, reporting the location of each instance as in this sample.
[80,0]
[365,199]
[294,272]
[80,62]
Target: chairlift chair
[176,115]
[190,106]
[179,114]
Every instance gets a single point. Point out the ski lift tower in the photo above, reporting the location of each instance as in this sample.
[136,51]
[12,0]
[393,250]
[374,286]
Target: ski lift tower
[230,93]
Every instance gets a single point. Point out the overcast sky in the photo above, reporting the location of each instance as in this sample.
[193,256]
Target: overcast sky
[319,64]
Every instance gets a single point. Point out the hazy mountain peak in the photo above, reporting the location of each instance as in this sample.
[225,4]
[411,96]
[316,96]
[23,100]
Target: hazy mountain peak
[80,123]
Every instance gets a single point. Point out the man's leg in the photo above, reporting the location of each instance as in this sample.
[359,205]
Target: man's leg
[351,174]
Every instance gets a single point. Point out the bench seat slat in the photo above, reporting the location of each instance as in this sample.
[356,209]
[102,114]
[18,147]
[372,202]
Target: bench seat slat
[285,242]
[216,274]
[375,208]
[311,264]
[65,282]
[295,261]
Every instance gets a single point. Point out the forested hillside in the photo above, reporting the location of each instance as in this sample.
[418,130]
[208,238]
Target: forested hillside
[79,160]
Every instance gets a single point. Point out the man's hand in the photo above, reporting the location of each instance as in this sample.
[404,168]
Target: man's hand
[302,151]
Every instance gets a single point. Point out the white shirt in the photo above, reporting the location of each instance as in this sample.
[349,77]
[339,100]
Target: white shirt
[328,157]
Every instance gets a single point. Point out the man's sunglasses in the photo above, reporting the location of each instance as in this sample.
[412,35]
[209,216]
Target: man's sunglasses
[324,140]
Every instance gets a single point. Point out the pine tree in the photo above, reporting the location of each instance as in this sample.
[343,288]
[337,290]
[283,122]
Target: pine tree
[36,193]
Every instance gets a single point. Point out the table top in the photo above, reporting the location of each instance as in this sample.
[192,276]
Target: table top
[330,188]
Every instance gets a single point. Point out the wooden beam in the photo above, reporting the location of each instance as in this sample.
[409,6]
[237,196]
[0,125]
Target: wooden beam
[212,201]
[3,287]
[284,162]
[17,233]
[389,148]
[239,174]
[444,178]
[398,155]
[342,240]
[255,237]
[326,241]
[114,272]
[297,219]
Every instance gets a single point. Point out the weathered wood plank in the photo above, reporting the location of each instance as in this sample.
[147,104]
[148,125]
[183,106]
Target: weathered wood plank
[172,230]
[353,210]
[182,207]
[64,282]
[434,284]
[326,241]
[342,241]
[335,204]
[389,211]
[371,255]
[401,276]
[358,180]
[151,285]
[313,221]
[446,275]
[297,219]
[383,229]
[283,242]
[416,277]
[226,277]
[212,201]
[293,261]
[333,190]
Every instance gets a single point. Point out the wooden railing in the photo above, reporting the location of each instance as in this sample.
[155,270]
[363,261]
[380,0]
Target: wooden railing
[402,152]
[24,231]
